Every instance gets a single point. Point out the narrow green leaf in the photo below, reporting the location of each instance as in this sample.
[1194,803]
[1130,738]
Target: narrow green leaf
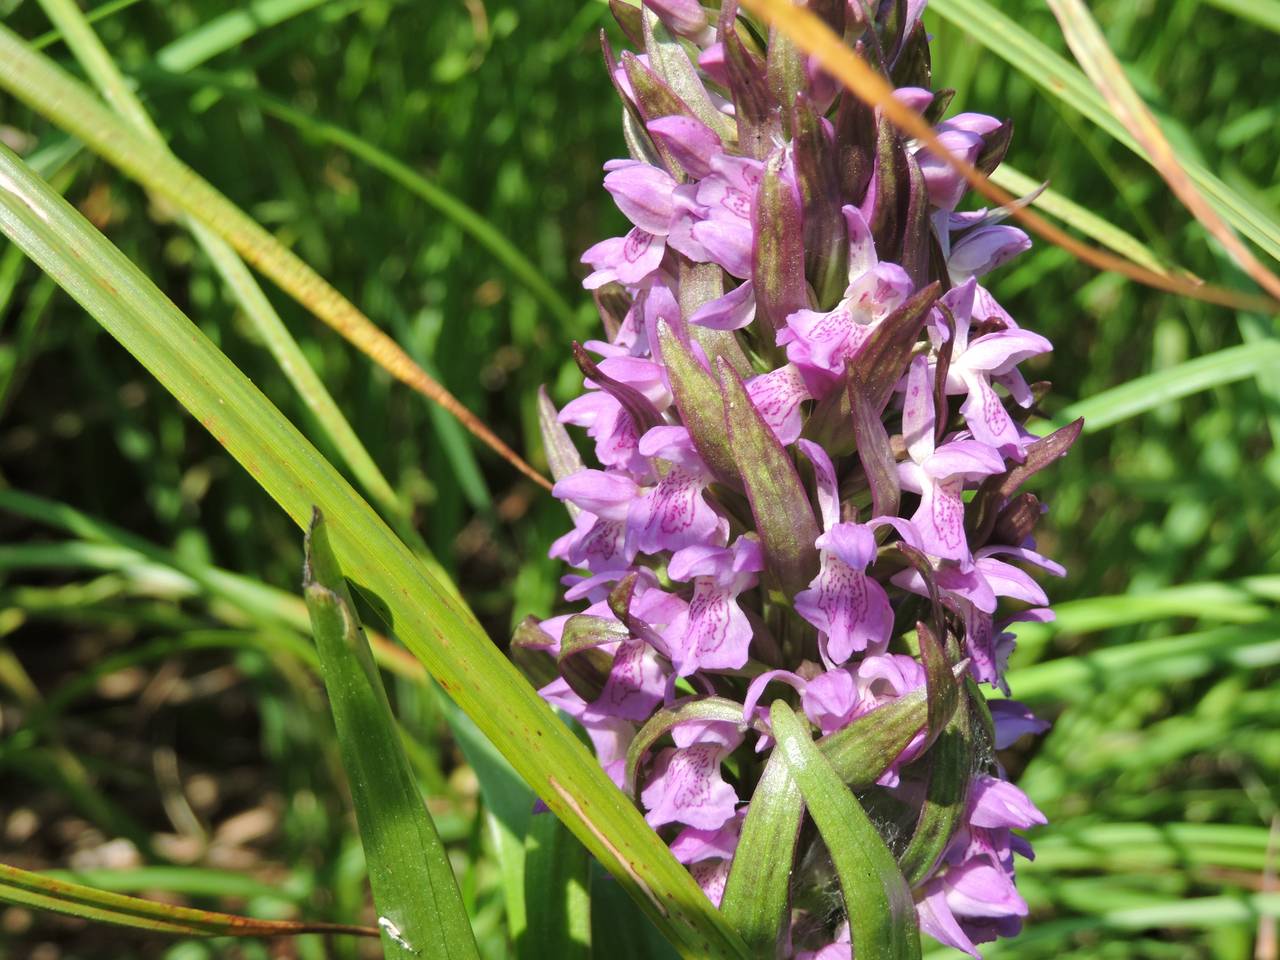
[508,810]
[467,219]
[111,548]
[41,892]
[619,931]
[758,891]
[101,12]
[1238,601]
[188,881]
[882,916]
[420,909]
[1050,71]
[783,514]
[431,621]
[1146,393]
[1094,54]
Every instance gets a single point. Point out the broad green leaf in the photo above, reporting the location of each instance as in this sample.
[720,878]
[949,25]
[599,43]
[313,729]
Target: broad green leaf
[1146,393]
[1048,70]
[758,891]
[414,891]
[41,892]
[882,915]
[430,620]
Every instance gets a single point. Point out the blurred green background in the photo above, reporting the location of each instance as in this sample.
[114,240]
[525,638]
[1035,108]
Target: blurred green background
[217,755]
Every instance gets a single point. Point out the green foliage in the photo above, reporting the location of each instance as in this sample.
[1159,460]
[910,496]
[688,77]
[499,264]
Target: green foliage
[414,890]
[439,164]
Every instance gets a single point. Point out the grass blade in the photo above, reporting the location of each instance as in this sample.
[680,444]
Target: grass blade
[1082,218]
[812,35]
[1265,13]
[1044,67]
[42,892]
[1100,65]
[101,12]
[460,214]
[440,630]
[228,30]
[882,916]
[419,906]
[93,56]
[1146,393]
[111,548]
[47,89]
[1149,662]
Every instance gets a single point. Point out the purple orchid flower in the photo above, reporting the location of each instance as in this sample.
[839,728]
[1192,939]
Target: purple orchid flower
[686,785]
[713,633]
[721,543]
[939,473]
[820,344]
[850,610]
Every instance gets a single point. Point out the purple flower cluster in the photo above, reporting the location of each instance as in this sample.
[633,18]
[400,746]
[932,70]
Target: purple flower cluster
[807,415]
